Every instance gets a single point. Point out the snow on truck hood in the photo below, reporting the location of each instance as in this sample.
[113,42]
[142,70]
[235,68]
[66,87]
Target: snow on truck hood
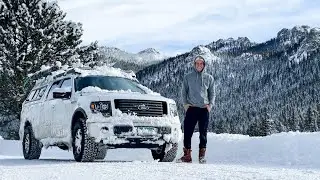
[121,94]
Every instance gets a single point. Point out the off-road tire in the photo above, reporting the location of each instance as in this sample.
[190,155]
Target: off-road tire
[30,145]
[85,148]
[165,157]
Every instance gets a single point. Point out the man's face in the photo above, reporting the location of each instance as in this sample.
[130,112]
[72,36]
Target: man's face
[199,64]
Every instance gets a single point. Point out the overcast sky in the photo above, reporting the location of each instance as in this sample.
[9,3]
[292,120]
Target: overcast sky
[176,26]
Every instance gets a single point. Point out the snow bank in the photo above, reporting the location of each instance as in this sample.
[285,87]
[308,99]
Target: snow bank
[1,138]
[293,149]
[285,149]
[10,148]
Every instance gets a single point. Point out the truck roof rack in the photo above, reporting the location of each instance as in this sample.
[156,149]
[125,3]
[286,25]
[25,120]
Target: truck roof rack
[57,71]
[44,75]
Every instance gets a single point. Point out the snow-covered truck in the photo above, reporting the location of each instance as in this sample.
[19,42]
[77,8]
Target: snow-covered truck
[90,110]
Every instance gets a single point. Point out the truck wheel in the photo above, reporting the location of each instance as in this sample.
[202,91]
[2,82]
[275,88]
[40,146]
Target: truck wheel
[84,149]
[30,145]
[162,156]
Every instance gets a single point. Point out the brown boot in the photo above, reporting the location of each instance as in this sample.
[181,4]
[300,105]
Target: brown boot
[186,157]
[202,153]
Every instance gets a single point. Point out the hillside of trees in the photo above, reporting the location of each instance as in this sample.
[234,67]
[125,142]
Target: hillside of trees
[261,88]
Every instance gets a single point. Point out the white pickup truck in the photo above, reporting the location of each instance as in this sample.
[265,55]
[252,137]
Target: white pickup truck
[91,110]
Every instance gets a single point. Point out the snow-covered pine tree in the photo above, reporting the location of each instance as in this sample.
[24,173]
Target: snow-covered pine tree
[318,116]
[311,120]
[255,127]
[294,120]
[268,125]
[32,33]
[89,54]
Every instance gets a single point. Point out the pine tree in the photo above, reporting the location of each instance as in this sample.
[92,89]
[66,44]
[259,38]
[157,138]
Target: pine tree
[318,116]
[294,121]
[255,128]
[89,54]
[32,33]
[268,125]
[311,120]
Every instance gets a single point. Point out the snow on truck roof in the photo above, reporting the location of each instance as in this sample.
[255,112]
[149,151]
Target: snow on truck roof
[47,74]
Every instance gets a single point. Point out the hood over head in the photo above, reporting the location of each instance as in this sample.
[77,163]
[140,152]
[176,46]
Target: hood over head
[194,63]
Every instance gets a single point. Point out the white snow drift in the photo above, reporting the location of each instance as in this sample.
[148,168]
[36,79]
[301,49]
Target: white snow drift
[292,155]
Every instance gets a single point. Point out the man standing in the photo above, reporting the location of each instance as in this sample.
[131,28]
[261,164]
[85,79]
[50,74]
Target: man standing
[198,99]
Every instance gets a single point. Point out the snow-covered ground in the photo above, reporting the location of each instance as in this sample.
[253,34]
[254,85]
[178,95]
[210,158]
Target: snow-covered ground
[290,155]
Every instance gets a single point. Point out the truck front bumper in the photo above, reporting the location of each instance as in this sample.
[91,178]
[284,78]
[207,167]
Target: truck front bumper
[134,135]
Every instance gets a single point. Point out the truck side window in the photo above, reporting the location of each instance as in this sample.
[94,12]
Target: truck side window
[66,83]
[42,91]
[54,85]
[36,94]
[31,95]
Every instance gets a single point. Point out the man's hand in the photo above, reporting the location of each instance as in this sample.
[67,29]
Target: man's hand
[208,107]
[186,106]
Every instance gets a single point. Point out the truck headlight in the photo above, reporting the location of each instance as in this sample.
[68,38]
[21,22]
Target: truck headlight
[103,107]
[173,109]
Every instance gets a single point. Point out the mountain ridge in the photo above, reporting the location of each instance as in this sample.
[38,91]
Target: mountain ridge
[256,82]
[127,60]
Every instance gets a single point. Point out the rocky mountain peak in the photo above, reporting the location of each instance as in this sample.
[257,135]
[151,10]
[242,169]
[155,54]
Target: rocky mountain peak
[294,35]
[149,51]
[223,45]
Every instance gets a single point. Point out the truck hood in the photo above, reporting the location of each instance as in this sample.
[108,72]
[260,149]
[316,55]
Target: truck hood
[109,96]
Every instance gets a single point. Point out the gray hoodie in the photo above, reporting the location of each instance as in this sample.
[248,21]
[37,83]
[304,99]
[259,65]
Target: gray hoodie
[198,89]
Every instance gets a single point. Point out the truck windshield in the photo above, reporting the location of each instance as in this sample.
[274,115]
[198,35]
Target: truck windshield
[107,83]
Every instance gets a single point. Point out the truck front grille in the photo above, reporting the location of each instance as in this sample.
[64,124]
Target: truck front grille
[141,107]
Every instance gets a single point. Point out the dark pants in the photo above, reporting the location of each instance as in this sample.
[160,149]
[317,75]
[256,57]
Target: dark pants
[194,115]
